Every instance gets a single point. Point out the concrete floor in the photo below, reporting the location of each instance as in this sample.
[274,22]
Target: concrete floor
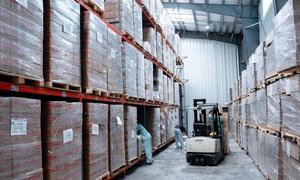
[171,165]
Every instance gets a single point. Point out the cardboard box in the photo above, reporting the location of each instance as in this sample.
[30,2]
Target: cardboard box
[129,67]
[130,124]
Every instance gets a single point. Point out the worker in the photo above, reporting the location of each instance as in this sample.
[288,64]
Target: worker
[178,137]
[212,133]
[147,143]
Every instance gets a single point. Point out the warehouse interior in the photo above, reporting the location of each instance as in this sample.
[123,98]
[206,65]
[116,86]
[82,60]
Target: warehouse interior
[149,89]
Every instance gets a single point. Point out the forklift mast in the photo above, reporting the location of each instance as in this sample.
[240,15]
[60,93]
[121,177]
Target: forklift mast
[200,124]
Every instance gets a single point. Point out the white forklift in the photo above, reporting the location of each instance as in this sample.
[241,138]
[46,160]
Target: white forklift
[206,146]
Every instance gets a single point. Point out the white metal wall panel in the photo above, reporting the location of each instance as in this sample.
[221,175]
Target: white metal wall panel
[211,67]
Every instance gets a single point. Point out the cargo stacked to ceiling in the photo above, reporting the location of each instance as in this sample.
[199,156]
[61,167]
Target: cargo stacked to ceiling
[72,48]
[270,109]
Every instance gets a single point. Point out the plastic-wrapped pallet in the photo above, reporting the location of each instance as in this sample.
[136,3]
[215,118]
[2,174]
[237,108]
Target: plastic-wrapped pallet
[171,90]
[290,159]
[243,111]
[137,23]
[243,135]
[169,124]
[140,75]
[269,160]
[115,75]
[261,107]
[159,47]
[21,38]
[159,12]
[149,79]
[152,8]
[160,84]
[166,54]
[260,63]
[96,4]
[94,52]
[147,46]
[286,34]
[129,62]
[62,140]
[176,93]
[244,88]
[20,137]
[177,45]
[165,84]
[149,34]
[62,42]
[120,14]
[273,104]
[163,130]
[290,103]
[117,144]
[270,56]
[130,123]
[95,144]
[153,124]
[253,145]
[251,73]
[254,116]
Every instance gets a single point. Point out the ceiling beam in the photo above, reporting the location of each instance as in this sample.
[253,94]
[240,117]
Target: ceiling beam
[243,11]
[225,37]
[194,16]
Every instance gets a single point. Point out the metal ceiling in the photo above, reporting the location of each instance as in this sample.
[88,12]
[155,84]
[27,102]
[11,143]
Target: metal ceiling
[191,15]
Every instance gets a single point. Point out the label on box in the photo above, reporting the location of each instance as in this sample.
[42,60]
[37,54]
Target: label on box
[24,3]
[112,53]
[18,126]
[95,129]
[67,135]
[67,27]
[99,37]
[133,133]
[119,121]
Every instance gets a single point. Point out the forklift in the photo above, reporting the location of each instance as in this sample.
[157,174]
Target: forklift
[206,146]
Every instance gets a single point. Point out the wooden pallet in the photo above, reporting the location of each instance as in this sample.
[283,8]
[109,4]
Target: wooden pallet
[270,131]
[95,91]
[261,85]
[149,101]
[19,79]
[272,79]
[128,36]
[63,86]
[294,138]
[115,94]
[289,72]
[142,99]
[133,98]
[94,6]
[114,171]
[103,176]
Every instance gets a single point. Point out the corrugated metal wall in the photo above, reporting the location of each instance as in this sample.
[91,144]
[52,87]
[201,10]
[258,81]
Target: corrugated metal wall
[211,67]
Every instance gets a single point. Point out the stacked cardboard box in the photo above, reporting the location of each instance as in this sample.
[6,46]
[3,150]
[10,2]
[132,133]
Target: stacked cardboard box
[166,91]
[130,124]
[62,42]
[115,75]
[286,34]
[251,73]
[273,104]
[153,124]
[290,160]
[141,93]
[94,52]
[129,67]
[149,79]
[261,108]
[120,14]
[95,144]
[159,12]
[20,137]
[176,93]
[62,140]
[117,143]
[171,90]
[149,35]
[98,4]
[163,130]
[137,23]
[21,38]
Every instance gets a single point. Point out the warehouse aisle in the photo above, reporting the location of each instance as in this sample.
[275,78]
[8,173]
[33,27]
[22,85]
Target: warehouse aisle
[171,165]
